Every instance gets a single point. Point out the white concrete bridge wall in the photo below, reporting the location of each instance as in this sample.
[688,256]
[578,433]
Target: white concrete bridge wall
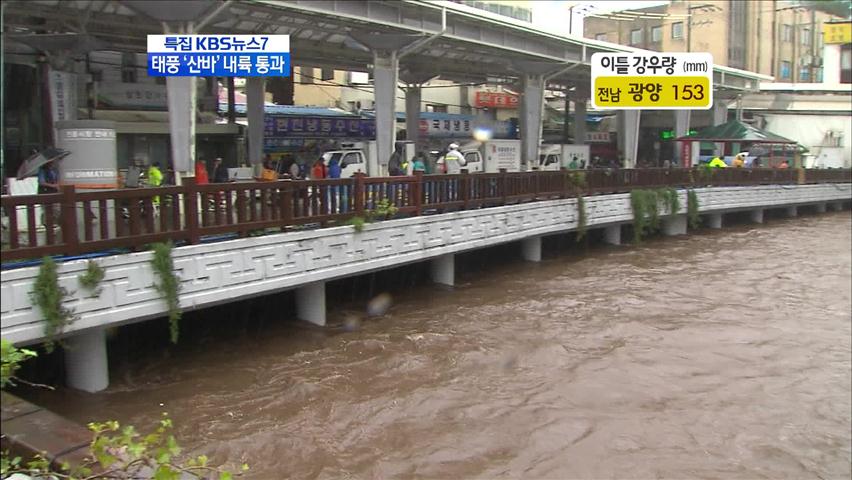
[226,271]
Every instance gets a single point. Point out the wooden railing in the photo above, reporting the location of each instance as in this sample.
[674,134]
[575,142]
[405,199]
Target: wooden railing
[74,223]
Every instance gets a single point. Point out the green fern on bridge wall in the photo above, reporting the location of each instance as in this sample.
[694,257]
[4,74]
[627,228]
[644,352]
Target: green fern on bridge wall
[168,285]
[48,296]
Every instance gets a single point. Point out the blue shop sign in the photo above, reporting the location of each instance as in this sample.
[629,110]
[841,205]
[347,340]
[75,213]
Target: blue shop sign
[318,127]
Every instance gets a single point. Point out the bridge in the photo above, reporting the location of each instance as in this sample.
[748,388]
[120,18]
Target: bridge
[440,216]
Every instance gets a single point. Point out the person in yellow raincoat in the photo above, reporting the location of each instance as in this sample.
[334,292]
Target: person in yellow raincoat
[155,179]
[739,161]
[717,163]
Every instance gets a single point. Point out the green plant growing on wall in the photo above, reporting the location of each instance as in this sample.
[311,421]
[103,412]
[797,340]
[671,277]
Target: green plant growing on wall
[48,295]
[357,223]
[582,218]
[670,199]
[692,207]
[384,210]
[168,285]
[91,279]
[578,179]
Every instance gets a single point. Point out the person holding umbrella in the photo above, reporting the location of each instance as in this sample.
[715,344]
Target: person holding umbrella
[48,177]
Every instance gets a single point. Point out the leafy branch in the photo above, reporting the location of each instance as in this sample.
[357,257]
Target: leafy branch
[123,453]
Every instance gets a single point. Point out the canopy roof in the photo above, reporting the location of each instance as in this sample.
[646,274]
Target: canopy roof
[736,131]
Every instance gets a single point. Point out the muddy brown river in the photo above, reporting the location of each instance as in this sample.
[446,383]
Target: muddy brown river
[724,354]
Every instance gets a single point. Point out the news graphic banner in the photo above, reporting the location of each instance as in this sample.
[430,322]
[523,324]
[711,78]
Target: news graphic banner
[652,81]
[219,55]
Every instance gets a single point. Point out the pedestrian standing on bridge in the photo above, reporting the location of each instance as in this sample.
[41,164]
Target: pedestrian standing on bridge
[573,164]
[201,177]
[155,179]
[220,172]
[454,160]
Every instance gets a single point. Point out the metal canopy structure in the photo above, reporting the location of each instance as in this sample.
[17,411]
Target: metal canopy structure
[458,43]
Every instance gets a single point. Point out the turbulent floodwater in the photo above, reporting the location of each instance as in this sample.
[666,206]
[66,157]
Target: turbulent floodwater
[719,355]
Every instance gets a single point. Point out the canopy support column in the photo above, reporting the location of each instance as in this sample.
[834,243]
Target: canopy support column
[628,136]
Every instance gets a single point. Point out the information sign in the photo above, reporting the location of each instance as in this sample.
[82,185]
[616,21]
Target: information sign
[652,81]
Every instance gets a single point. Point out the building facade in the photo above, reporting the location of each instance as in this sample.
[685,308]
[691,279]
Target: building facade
[778,38]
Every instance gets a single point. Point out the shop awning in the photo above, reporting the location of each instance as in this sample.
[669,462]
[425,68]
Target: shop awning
[736,131]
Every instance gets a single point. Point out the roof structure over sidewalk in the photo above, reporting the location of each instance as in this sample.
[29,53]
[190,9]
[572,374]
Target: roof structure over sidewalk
[456,41]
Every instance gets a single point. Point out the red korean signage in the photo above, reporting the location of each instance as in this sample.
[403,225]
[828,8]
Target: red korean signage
[495,100]
[686,154]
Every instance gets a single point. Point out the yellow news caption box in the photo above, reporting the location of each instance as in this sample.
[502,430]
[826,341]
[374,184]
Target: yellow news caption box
[653,92]
[652,80]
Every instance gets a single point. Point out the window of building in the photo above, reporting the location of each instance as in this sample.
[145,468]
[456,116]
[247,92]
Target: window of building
[786,33]
[805,74]
[601,37]
[635,37]
[656,34]
[327,74]
[677,30]
[785,70]
[306,74]
[128,67]
[819,75]
[806,36]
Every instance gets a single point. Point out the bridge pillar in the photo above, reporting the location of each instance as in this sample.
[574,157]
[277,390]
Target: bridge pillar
[531,249]
[757,215]
[674,225]
[612,234]
[444,269]
[681,120]
[579,123]
[255,101]
[792,211]
[413,94]
[820,207]
[714,220]
[86,365]
[628,136]
[532,104]
[310,303]
[720,116]
[181,97]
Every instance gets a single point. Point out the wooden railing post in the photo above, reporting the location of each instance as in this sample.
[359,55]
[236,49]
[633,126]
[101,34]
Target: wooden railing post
[69,220]
[287,203]
[359,194]
[504,180]
[464,185]
[536,183]
[418,193]
[190,209]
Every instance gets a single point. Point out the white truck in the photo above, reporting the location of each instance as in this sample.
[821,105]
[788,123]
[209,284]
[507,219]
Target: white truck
[554,157]
[362,157]
[492,155]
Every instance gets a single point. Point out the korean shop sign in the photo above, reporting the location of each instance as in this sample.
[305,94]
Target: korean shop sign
[219,55]
[652,81]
